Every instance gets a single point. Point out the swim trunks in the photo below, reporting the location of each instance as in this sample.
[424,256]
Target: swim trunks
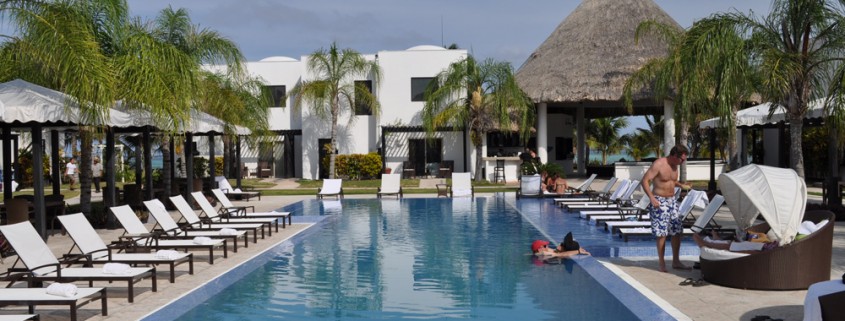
[665,220]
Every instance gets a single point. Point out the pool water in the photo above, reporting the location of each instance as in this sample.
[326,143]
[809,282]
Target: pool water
[431,259]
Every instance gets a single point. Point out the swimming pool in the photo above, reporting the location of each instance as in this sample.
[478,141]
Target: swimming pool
[416,259]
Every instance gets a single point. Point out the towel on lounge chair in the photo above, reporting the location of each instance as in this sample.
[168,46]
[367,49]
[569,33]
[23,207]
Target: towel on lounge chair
[116,268]
[63,289]
[203,240]
[228,231]
[168,254]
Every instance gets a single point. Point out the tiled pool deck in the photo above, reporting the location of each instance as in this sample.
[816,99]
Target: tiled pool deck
[635,262]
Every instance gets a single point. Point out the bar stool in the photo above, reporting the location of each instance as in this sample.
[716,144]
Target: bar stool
[499,171]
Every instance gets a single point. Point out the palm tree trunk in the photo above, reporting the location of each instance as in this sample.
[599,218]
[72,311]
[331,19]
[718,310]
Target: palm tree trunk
[475,138]
[332,154]
[166,180]
[733,156]
[796,157]
[85,173]
[683,140]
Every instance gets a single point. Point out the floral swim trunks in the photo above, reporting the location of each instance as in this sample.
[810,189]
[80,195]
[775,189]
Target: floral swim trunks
[664,219]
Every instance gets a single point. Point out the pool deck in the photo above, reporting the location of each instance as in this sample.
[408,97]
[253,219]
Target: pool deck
[709,302]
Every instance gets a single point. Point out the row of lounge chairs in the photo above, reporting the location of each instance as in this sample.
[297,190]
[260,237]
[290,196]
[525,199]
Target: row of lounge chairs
[391,186]
[91,260]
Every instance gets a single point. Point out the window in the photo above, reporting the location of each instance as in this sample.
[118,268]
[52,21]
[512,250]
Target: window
[279,94]
[363,107]
[418,88]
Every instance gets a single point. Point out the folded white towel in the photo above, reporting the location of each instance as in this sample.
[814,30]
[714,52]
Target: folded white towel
[228,231]
[167,254]
[238,190]
[202,240]
[806,228]
[62,289]
[116,268]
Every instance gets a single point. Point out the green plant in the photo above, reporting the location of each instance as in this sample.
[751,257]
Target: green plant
[551,169]
[25,160]
[359,166]
[218,165]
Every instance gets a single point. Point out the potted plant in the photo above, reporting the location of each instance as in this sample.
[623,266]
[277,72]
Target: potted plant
[200,171]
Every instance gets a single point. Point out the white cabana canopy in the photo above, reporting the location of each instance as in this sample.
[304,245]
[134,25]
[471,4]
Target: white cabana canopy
[759,115]
[25,102]
[778,194]
[198,122]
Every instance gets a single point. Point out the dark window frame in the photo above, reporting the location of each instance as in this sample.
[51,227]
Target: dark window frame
[279,97]
[417,93]
[362,109]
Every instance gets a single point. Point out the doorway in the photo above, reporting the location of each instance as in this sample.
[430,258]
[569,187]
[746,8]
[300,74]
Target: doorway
[323,170]
[425,155]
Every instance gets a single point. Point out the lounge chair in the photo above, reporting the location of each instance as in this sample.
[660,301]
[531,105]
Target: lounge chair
[461,185]
[235,211]
[637,212]
[780,196]
[237,193]
[627,229]
[621,188]
[706,218]
[824,301]
[171,229]
[584,187]
[191,219]
[331,187]
[138,235]
[19,317]
[391,184]
[213,216]
[38,296]
[591,196]
[613,202]
[42,265]
[96,251]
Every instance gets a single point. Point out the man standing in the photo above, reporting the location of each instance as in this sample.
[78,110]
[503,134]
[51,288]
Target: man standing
[97,173]
[70,171]
[664,211]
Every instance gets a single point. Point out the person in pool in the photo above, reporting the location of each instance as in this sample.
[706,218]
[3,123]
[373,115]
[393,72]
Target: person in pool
[567,248]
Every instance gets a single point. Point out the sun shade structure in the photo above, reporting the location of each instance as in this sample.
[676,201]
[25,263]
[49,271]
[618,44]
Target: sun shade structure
[778,194]
[24,102]
[589,56]
[759,115]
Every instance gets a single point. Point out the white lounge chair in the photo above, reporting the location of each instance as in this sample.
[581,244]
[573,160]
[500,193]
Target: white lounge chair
[627,229]
[331,187]
[192,219]
[591,196]
[96,251]
[138,234]
[213,216]
[391,184]
[232,209]
[709,212]
[584,187]
[42,265]
[637,212]
[171,229]
[621,188]
[461,185]
[237,193]
[39,296]
[626,199]
[529,186]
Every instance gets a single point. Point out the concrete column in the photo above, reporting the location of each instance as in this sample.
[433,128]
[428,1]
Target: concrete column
[668,126]
[542,132]
[581,129]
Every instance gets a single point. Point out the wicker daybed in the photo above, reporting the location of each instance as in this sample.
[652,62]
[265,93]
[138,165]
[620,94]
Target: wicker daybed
[793,266]
[779,195]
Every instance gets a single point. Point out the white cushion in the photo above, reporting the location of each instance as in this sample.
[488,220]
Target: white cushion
[719,255]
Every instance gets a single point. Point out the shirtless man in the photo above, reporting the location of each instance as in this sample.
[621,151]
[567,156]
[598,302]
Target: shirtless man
[664,208]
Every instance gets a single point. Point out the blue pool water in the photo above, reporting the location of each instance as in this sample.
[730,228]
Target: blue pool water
[431,259]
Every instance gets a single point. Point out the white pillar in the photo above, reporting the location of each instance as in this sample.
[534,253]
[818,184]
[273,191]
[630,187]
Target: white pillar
[668,126]
[542,132]
[740,143]
[581,125]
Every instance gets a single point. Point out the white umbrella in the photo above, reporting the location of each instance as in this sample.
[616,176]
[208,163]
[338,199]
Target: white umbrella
[759,115]
[778,194]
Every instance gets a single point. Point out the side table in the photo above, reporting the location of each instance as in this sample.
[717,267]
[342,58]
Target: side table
[442,190]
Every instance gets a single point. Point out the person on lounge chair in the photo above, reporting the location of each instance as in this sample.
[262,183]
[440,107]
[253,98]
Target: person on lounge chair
[749,247]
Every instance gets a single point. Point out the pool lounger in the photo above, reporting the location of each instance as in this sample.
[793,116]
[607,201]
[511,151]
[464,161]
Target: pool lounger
[169,226]
[642,231]
[213,216]
[227,204]
[38,296]
[18,317]
[602,219]
[612,226]
[190,217]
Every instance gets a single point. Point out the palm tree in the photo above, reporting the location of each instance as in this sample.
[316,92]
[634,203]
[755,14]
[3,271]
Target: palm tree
[639,144]
[206,46]
[654,129]
[795,49]
[604,135]
[331,92]
[480,98]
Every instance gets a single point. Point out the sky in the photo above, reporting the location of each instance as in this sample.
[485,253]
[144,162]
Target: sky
[506,30]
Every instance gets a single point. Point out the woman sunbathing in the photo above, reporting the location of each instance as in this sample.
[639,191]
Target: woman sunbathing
[749,247]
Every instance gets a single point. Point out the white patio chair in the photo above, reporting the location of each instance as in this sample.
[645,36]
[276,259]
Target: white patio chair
[461,185]
[171,229]
[191,218]
[331,187]
[232,209]
[237,193]
[214,215]
[391,184]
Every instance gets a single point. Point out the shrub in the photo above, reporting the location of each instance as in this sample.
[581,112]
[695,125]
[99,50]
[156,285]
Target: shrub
[218,165]
[359,166]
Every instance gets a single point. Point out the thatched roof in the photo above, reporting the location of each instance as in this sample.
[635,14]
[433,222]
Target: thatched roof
[588,57]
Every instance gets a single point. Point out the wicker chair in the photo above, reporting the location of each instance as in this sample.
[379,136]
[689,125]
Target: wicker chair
[794,266]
